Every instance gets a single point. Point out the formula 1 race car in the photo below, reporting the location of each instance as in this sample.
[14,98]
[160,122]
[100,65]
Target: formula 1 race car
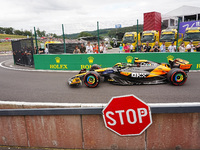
[139,72]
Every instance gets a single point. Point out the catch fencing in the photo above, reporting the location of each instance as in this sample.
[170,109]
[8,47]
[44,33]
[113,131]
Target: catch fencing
[58,48]
[23,51]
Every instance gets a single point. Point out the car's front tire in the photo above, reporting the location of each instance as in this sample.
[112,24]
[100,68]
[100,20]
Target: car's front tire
[92,79]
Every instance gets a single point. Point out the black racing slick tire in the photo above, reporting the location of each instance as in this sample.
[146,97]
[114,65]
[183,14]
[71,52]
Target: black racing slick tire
[92,79]
[177,76]
[94,67]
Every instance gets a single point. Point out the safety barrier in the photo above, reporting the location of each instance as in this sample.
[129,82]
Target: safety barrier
[81,126]
[81,61]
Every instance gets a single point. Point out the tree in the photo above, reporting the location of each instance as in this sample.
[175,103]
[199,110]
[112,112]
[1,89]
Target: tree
[55,35]
[2,30]
[18,32]
[40,33]
[29,33]
[84,34]
[113,32]
[9,30]
[43,33]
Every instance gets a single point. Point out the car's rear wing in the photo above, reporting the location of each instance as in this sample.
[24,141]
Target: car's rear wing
[180,63]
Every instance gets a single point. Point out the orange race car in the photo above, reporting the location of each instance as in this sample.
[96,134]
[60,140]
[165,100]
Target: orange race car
[139,72]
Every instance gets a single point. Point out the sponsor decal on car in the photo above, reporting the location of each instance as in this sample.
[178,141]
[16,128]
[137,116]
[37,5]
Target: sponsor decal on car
[139,75]
[125,73]
[108,71]
[147,64]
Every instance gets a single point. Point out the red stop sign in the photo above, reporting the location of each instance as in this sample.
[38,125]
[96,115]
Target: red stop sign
[127,115]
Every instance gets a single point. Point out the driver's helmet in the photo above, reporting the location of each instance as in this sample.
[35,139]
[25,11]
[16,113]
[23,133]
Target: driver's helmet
[136,59]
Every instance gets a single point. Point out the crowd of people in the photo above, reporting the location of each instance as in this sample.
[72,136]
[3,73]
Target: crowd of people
[128,48]
[90,48]
[156,48]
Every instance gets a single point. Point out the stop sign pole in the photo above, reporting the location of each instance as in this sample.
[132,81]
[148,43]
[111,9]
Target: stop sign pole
[127,115]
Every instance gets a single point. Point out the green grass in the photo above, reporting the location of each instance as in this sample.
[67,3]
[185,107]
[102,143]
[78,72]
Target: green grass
[6,46]
[3,36]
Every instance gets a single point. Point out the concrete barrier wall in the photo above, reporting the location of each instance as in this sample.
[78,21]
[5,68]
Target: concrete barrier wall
[81,61]
[168,131]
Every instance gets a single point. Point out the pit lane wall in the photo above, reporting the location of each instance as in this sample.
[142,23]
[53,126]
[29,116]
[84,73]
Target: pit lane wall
[87,131]
[81,61]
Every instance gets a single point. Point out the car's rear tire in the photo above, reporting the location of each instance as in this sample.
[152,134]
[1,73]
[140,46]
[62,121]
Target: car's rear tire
[92,79]
[177,76]
[94,67]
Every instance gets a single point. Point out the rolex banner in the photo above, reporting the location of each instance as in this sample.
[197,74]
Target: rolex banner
[81,61]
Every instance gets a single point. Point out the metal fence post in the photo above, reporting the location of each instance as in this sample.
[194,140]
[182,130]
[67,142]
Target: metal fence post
[64,39]
[36,41]
[177,35]
[137,36]
[98,34]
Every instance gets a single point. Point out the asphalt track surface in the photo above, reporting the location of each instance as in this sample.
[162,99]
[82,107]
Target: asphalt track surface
[32,86]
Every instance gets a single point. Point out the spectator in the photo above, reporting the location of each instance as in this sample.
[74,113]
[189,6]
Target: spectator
[114,42]
[140,47]
[126,48]
[28,57]
[82,49]
[41,51]
[76,50]
[103,48]
[198,47]
[190,47]
[89,48]
[131,47]
[172,48]
[35,50]
[181,47]
[163,47]
[147,48]
[156,48]
[120,48]
[106,44]
[95,49]
[46,50]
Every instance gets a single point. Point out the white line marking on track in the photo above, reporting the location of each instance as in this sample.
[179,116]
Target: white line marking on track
[32,70]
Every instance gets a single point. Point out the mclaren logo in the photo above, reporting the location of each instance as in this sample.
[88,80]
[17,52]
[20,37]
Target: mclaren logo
[139,75]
